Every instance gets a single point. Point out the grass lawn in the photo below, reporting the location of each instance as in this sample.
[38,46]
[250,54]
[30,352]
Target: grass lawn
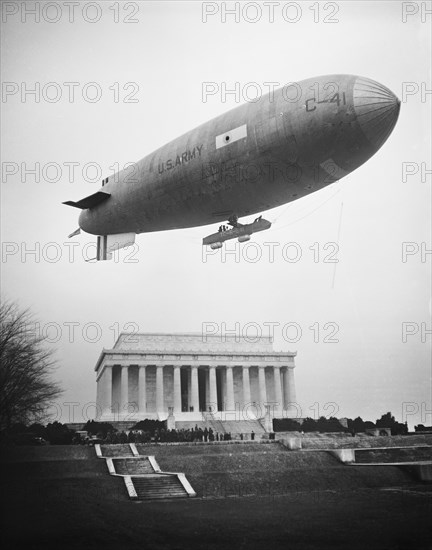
[80,507]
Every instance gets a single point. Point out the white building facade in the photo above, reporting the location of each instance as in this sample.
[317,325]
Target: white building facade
[233,378]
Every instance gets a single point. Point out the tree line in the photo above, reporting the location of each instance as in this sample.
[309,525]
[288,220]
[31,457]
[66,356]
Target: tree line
[332,424]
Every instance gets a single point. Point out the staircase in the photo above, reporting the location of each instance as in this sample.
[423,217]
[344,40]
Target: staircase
[244,427]
[215,424]
[133,466]
[210,420]
[109,451]
[142,476]
[158,486]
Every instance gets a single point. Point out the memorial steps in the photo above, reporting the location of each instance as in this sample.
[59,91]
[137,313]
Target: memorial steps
[133,466]
[244,427]
[109,451]
[235,427]
[160,486]
[216,424]
[142,476]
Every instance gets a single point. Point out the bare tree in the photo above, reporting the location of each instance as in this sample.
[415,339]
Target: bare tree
[26,387]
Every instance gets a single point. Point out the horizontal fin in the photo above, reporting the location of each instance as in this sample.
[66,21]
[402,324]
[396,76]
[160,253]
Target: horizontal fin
[76,232]
[91,201]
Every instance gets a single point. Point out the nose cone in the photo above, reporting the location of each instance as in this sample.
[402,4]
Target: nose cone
[377,110]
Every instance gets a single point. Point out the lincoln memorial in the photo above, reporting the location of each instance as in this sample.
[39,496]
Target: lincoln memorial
[147,375]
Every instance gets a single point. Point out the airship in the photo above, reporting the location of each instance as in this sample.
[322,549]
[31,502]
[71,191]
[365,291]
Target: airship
[260,155]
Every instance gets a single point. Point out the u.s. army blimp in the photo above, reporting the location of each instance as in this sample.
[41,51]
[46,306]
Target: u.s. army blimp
[259,155]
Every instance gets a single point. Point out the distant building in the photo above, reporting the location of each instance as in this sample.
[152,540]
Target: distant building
[144,375]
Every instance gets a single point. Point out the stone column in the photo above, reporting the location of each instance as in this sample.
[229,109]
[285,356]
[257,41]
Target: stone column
[142,389]
[107,390]
[189,388]
[177,390]
[290,392]
[194,388]
[230,389]
[159,389]
[124,390]
[222,388]
[278,390]
[246,387]
[206,389]
[262,388]
[213,390]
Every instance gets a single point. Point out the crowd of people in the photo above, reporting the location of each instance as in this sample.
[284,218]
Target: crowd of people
[162,435]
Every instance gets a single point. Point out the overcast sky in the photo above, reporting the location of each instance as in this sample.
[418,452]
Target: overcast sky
[170,284]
